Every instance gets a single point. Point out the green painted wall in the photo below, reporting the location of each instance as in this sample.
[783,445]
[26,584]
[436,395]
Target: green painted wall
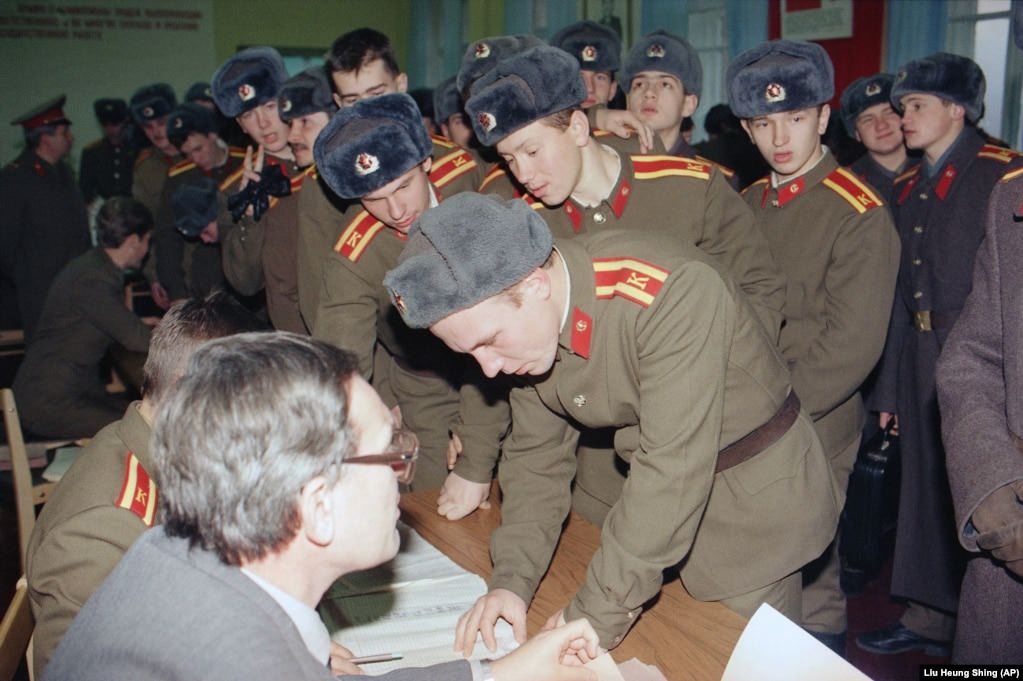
[306,23]
[486,18]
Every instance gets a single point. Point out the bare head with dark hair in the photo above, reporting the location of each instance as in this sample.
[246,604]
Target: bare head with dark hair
[253,420]
[184,328]
[119,218]
[362,64]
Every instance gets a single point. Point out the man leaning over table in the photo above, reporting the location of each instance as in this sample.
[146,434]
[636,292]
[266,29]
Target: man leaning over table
[108,497]
[639,331]
[260,516]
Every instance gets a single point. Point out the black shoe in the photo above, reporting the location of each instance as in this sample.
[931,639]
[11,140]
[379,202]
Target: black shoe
[896,638]
[836,642]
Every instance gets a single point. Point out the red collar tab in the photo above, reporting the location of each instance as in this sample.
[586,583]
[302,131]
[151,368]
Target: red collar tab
[908,188]
[787,192]
[948,176]
[574,215]
[621,198]
[582,333]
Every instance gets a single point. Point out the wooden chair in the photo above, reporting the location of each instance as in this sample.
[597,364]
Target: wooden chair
[26,495]
[16,634]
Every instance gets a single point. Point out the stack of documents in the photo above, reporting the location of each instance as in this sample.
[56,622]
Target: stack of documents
[410,606]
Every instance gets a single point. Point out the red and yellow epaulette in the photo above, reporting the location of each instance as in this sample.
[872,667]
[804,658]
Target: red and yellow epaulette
[494,174]
[300,178]
[600,132]
[998,153]
[764,180]
[450,166]
[852,189]
[236,152]
[143,155]
[229,181]
[441,141]
[138,491]
[906,175]
[652,167]
[180,167]
[357,236]
[1012,175]
[313,172]
[629,278]
[724,170]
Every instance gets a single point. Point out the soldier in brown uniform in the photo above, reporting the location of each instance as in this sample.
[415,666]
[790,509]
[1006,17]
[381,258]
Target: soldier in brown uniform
[869,117]
[107,499]
[379,153]
[837,245]
[43,223]
[150,105]
[58,383]
[259,244]
[644,332]
[581,186]
[106,165]
[187,268]
[939,208]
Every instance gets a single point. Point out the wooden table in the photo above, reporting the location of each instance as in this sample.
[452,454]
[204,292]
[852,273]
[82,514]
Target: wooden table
[687,639]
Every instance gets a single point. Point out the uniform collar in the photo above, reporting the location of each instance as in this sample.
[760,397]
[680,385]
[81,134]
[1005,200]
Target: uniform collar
[617,200]
[582,297]
[134,432]
[953,162]
[782,194]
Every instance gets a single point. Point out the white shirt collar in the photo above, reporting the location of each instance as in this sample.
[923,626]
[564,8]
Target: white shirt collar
[433,197]
[774,175]
[310,627]
[568,291]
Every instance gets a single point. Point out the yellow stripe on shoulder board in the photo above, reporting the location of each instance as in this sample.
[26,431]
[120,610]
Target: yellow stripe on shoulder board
[861,185]
[182,167]
[1012,175]
[451,166]
[231,179]
[908,174]
[632,264]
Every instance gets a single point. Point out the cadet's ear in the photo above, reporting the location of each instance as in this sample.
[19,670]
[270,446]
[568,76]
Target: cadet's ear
[537,284]
[402,82]
[689,104]
[958,111]
[825,116]
[579,127]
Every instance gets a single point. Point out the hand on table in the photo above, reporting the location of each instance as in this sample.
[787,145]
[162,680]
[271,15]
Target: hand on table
[551,655]
[483,615]
[460,497]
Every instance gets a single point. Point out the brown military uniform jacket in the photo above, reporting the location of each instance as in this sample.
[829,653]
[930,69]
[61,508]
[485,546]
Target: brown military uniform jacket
[835,241]
[189,268]
[263,254]
[149,176]
[105,501]
[437,390]
[685,150]
[683,197]
[660,343]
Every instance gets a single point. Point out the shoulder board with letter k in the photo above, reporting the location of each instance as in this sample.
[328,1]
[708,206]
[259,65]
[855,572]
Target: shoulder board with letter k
[859,195]
[629,278]
[450,166]
[138,491]
[357,236]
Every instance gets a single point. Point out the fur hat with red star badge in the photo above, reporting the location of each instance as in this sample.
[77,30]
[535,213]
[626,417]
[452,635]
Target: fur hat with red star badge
[666,53]
[777,76]
[248,79]
[595,46]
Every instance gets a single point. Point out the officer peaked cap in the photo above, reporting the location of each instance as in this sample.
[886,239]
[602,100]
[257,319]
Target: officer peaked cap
[524,88]
[151,102]
[248,79]
[948,76]
[662,51]
[863,93]
[463,251]
[595,46]
[484,54]
[370,144]
[306,93]
[777,76]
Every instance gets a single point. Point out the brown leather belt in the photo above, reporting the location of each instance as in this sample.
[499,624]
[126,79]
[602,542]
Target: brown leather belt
[761,438]
[929,320]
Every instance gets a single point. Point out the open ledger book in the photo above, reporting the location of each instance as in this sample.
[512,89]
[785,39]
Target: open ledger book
[411,604]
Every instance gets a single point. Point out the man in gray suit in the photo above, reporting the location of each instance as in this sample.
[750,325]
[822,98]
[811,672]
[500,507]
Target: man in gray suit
[260,516]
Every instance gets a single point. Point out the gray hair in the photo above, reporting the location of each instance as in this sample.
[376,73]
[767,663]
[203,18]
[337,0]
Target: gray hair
[255,417]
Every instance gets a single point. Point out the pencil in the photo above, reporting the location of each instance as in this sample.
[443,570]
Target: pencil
[382,657]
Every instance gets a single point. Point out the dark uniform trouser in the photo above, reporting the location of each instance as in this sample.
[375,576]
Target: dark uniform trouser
[429,406]
[74,417]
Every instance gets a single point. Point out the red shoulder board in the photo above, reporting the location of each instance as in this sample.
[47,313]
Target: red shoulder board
[652,167]
[628,278]
[357,236]
[494,174]
[299,178]
[452,165]
[852,189]
[138,491]
[1012,175]
[443,142]
[313,173]
[997,153]
[180,167]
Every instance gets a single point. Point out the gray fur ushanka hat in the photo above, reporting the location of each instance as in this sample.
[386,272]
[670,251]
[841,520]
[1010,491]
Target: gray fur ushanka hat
[151,102]
[662,51]
[248,79]
[948,76]
[365,146]
[777,76]
[486,53]
[465,250]
[863,93]
[305,93]
[194,206]
[595,46]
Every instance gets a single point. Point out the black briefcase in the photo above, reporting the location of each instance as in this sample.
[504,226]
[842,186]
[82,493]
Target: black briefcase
[871,504]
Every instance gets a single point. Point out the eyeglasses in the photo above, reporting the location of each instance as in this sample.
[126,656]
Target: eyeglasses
[400,455]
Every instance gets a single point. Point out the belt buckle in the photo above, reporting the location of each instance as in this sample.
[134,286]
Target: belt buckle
[922,320]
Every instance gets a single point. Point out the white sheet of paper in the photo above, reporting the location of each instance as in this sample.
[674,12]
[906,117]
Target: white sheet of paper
[62,461]
[773,648]
[634,670]
[605,668]
[409,606]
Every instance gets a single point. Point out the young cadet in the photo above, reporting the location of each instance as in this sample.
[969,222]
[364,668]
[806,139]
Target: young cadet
[107,499]
[259,250]
[188,268]
[598,50]
[839,251]
[362,65]
[527,107]
[378,153]
[939,208]
[447,107]
[642,331]
[150,106]
[869,117]
[105,167]
[663,78]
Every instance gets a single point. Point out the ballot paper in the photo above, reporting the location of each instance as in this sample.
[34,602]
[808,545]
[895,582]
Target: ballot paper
[62,461]
[409,605]
[773,648]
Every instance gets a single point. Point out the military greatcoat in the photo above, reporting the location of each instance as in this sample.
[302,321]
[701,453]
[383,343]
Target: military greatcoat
[105,170]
